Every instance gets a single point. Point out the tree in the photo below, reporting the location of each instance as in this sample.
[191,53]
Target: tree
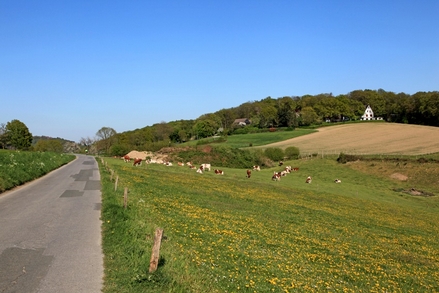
[308,116]
[204,128]
[2,135]
[106,135]
[18,135]
[49,145]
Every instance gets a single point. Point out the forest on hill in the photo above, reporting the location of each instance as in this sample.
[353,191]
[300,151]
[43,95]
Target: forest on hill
[288,112]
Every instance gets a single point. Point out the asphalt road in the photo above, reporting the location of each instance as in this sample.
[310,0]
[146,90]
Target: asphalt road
[50,232]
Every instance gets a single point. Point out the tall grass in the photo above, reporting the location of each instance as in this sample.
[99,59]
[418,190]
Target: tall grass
[18,167]
[230,233]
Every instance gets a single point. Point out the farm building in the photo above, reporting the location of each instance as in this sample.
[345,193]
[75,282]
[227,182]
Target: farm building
[368,114]
[242,121]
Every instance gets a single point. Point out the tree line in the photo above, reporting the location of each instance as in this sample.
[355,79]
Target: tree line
[285,112]
[269,113]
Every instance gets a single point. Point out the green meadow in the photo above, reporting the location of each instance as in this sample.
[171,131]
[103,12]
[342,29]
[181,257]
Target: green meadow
[253,139]
[19,167]
[229,233]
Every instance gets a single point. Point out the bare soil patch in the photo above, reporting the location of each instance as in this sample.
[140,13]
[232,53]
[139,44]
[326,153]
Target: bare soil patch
[368,138]
[399,176]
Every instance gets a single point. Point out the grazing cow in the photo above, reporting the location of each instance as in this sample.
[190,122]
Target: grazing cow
[206,167]
[137,162]
[126,158]
[295,169]
[308,180]
[249,173]
[256,168]
[288,169]
[189,164]
[275,177]
[200,170]
[337,181]
[219,172]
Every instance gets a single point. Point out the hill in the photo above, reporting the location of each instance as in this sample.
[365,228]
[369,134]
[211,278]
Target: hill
[367,138]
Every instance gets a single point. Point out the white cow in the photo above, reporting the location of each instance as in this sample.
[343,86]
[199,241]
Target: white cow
[206,167]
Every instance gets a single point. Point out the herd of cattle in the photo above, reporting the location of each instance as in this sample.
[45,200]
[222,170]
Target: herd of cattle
[207,167]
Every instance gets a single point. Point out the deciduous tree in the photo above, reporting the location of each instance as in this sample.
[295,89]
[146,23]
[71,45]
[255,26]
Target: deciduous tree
[18,135]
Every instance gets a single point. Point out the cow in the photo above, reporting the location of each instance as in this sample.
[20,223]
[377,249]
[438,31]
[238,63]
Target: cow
[200,170]
[281,163]
[337,181]
[308,180]
[295,169]
[275,177]
[126,158]
[256,168]
[137,162]
[180,163]
[192,167]
[249,173]
[288,169]
[219,172]
[167,163]
[206,167]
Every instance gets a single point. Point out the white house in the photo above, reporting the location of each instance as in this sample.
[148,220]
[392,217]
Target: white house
[368,114]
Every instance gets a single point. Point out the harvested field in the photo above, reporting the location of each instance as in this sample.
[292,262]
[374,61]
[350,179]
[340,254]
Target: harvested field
[368,138]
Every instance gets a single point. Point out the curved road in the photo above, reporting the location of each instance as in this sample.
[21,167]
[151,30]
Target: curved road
[50,232]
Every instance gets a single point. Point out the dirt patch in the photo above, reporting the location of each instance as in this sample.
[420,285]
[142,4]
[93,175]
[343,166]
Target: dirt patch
[417,192]
[143,155]
[399,176]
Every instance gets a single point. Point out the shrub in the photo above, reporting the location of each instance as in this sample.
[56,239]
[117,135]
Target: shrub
[292,153]
[344,158]
[275,154]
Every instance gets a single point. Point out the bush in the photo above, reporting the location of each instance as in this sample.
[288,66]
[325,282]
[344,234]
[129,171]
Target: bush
[275,154]
[292,153]
[344,158]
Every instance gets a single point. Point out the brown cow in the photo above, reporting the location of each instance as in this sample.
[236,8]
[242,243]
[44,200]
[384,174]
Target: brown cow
[256,168]
[126,158]
[219,172]
[308,180]
[275,177]
[137,162]
[249,173]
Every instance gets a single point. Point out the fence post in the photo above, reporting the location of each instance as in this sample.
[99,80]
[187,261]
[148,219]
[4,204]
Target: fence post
[125,197]
[115,183]
[156,250]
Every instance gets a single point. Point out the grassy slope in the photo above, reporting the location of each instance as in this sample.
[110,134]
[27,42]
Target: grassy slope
[229,233]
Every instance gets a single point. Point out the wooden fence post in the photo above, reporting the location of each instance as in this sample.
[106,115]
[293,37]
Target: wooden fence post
[115,183]
[125,197]
[111,172]
[156,250]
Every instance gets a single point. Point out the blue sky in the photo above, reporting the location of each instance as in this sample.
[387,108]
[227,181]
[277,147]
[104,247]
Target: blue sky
[68,68]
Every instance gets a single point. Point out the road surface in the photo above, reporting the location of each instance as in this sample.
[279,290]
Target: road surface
[50,232]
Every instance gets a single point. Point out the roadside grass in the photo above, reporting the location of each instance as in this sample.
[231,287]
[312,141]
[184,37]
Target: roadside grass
[253,139]
[231,233]
[19,167]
